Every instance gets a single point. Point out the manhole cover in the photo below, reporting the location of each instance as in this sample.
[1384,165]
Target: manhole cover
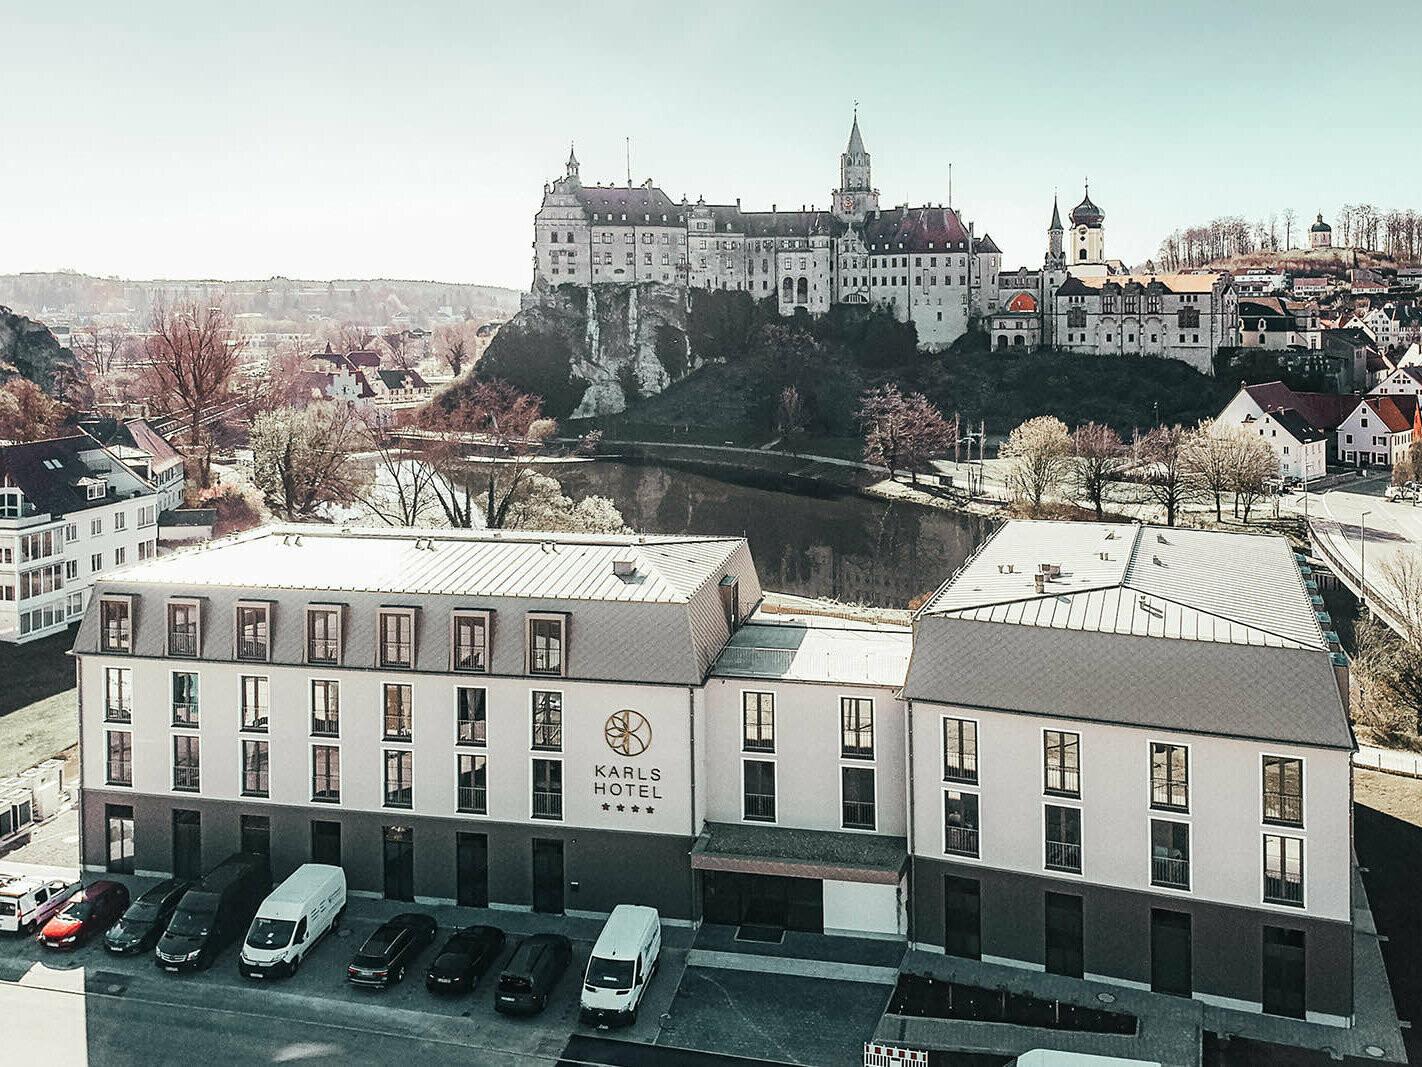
[1376,1051]
[115,985]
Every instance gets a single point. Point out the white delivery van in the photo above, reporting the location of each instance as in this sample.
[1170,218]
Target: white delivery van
[27,903]
[621,965]
[296,915]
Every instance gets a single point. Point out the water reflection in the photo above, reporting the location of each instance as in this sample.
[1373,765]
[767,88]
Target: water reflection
[806,539]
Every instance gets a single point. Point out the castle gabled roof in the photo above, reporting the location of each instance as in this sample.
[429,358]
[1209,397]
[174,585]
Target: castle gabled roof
[918,229]
[644,200]
[985,244]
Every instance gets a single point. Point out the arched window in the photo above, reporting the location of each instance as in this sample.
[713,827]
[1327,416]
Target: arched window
[788,291]
[802,291]
[1081,254]
[1017,341]
[1002,341]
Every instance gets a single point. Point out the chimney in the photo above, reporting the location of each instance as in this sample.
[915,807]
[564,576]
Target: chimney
[624,568]
[1040,581]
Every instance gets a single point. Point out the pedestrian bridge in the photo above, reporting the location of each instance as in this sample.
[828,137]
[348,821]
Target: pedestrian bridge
[1344,547]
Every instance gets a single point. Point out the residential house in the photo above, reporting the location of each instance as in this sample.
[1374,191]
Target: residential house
[1298,426]
[1274,323]
[1379,431]
[400,386]
[1349,350]
[1301,447]
[1406,380]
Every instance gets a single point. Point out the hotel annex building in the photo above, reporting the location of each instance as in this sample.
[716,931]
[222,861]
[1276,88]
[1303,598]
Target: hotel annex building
[1108,751]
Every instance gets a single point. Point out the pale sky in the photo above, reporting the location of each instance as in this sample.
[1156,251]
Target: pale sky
[362,139]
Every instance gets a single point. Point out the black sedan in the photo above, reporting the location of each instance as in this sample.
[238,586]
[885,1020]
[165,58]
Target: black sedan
[140,927]
[382,960]
[464,958]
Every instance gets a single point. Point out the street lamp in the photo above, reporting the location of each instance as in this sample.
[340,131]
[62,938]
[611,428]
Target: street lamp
[1363,552]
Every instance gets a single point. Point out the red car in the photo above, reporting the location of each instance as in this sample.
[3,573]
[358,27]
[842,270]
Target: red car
[91,910]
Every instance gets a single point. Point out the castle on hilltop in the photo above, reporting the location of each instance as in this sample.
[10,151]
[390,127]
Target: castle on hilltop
[926,264]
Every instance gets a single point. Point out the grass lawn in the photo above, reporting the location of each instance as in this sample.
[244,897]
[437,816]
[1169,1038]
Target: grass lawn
[39,714]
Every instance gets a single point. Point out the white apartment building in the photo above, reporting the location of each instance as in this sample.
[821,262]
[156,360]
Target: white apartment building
[1056,766]
[1379,431]
[70,509]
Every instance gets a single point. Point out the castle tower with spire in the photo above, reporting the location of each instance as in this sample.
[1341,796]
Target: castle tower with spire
[856,195]
[1056,254]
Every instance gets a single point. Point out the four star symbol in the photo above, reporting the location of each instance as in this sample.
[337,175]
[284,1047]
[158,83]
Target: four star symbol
[621,807]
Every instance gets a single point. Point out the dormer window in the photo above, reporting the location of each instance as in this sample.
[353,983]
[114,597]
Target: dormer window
[116,624]
[98,489]
[12,502]
[547,642]
[323,634]
[397,638]
[471,641]
[183,628]
[253,632]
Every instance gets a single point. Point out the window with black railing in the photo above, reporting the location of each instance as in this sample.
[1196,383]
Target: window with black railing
[960,750]
[471,643]
[1283,790]
[115,626]
[1061,763]
[473,784]
[857,798]
[547,789]
[185,699]
[758,722]
[1169,777]
[399,779]
[1170,854]
[399,712]
[325,708]
[471,716]
[118,694]
[1283,870]
[323,635]
[547,720]
[397,639]
[1063,839]
[118,766]
[256,769]
[856,721]
[183,630]
[960,823]
[545,646]
[326,774]
[186,763]
[254,703]
[759,792]
[252,634]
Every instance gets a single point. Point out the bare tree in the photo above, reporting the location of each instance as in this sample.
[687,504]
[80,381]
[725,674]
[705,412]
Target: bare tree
[1256,466]
[304,461]
[1289,217]
[27,412]
[901,432]
[1097,459]
[102,349]
[1038,455]
[1208,455]
[1164,473]
[401,492]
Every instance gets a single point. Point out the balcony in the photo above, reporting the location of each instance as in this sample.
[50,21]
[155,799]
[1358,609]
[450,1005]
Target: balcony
[321,650]
[118,713]
[395,653]
[397,729]
[760,806]
[858,815]
[185,778]
[1065,781]
[252,648]
[1064,856]
[326,791]
[325,727]
[1170,795]
[964,770]
[473,732]
[473,799]
[185,713]
[1283,890]
[1171,872]
[962,840]
[1283,808]
[183,642]
[547,804]
[399,797]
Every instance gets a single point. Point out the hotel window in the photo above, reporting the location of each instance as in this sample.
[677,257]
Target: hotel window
[254,703]
[71,570]
[1170,854]
[182,629]
[96,562]
[547,720]
[325,708]
[960,823]
[120,520]
[758,722]
[547,789]
[759,790]
[115,625]
[325,773]
[472,716]
[256,769]
[856,720]
[1169,776]
[399,713]
[118,767]
[471,641]
[399,787]
[118,694]
[960,750]
[323,635]
[185,698]
[1283,790]
[185,762]
[96,527]
[1062,763]
[473,784]
[857,798]
[252,632]
[1063,839]
[1283,870]
[545,645]
[397,639]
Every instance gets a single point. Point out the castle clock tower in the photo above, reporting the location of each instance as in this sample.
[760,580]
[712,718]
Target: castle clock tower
[856,196]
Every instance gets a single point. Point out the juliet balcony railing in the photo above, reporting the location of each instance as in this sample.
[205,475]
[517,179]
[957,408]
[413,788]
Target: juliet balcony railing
[1064,856]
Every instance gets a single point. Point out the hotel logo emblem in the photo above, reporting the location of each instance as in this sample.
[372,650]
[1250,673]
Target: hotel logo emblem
[627,732]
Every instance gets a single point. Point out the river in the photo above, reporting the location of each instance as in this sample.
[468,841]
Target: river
[806,538]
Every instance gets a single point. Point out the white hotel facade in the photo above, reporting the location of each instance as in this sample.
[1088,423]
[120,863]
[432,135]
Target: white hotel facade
[1090,753]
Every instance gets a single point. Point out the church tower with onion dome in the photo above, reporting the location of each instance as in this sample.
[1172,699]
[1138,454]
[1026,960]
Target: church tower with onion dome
[1088,235]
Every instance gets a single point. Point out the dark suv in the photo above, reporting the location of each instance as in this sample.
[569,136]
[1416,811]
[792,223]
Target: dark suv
[146,918]
[464,958]
[382,960]
[531,973]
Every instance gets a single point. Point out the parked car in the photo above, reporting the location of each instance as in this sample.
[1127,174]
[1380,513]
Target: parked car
[140,927]
[622,963]
[213,913]
[531,973]
[382,960]
[297,914]
[89,911]
[27,903]
[464,958]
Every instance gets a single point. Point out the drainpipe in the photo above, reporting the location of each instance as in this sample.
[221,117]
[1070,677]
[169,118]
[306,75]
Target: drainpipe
[79,699]
[908,785]
[690,873]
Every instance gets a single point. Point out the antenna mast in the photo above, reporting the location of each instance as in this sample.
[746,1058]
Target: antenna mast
[629,162]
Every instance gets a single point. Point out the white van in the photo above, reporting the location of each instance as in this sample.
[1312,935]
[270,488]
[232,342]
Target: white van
[27,903]
[296,915]
[621,965]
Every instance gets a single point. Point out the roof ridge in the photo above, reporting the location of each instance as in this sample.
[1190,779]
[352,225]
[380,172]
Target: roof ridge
[1292,642]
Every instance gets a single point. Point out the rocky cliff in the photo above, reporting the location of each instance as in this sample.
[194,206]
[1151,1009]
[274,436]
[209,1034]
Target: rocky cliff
[29,350]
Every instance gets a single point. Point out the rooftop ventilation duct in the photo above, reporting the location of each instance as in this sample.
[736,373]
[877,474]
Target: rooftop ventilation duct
[624,568]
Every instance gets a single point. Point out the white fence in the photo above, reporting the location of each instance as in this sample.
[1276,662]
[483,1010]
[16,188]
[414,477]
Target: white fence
[1393,762]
